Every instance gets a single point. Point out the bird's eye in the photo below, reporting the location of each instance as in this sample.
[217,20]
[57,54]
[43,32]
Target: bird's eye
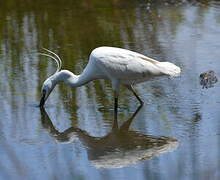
[44,91]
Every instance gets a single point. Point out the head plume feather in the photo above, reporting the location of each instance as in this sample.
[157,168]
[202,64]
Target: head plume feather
[56,58]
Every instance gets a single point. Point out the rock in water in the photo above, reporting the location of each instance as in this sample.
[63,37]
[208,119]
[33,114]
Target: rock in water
[208,79]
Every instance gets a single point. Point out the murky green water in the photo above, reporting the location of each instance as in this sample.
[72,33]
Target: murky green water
[176,135]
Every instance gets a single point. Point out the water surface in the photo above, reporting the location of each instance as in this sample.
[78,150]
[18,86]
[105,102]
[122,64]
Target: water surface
[177,132]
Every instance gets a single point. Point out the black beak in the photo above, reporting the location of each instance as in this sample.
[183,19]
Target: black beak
[42,100]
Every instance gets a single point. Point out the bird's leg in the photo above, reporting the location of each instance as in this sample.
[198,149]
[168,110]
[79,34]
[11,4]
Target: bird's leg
[115,125]
[130,87]
[125,126]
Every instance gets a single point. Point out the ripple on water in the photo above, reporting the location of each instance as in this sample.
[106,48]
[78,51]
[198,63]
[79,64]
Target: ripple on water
[215,5]
[36,141]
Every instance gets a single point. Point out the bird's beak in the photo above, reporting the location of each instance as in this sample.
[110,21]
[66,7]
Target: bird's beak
[42,100]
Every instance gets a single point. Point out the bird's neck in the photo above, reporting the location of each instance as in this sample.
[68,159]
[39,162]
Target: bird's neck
[71,79]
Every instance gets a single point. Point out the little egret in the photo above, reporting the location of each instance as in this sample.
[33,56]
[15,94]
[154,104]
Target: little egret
[120,66]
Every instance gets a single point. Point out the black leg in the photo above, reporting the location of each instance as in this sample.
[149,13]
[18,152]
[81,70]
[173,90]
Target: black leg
[135,94]
[115,125]
[125,126]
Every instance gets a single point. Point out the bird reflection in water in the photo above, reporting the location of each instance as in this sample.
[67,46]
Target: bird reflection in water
[120,148]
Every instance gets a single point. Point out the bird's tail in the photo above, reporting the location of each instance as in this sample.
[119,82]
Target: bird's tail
[169,69]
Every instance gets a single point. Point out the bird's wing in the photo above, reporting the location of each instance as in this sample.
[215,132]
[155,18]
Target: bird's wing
[129,65]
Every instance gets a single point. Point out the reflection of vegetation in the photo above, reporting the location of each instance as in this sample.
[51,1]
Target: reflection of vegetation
[74,28]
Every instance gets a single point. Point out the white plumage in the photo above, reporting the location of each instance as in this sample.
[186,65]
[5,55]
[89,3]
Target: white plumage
[120,66]
[129,67]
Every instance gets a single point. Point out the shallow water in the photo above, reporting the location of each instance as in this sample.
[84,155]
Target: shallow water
[176,135]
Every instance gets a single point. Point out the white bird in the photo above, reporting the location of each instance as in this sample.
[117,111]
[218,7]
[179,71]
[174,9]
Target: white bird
[120,66]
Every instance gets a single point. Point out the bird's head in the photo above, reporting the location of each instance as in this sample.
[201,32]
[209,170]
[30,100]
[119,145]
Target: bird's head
[50,82]
[46,89]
